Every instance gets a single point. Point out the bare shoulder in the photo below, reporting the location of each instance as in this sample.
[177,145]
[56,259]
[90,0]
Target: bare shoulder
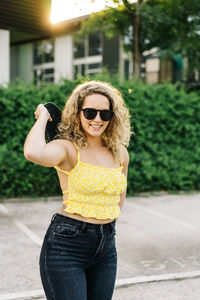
[125,156]
[63,143]
[70,150]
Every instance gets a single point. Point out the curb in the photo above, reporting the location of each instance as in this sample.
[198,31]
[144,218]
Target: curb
[120,283]
[136,195]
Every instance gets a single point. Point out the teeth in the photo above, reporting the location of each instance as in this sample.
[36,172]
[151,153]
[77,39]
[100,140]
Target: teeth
[96,126]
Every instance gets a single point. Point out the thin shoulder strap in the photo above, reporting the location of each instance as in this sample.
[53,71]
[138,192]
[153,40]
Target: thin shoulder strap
[78,152]
[63,171]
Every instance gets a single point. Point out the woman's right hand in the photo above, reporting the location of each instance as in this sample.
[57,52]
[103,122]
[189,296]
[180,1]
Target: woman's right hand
[41,109]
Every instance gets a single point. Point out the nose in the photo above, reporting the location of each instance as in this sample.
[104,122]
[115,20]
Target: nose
[98,118]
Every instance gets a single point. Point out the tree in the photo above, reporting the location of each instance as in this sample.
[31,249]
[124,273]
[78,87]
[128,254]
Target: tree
[119,21]
[171,25]
[174,27]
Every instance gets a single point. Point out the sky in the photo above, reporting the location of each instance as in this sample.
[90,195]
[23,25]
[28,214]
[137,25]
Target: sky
[68,9]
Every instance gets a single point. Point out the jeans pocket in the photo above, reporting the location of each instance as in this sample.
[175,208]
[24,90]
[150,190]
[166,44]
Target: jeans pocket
[66,230]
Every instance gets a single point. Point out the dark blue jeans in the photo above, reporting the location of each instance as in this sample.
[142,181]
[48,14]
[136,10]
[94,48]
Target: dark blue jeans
[78,260]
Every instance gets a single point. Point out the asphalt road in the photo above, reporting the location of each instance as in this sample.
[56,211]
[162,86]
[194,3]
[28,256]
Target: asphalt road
[157,241]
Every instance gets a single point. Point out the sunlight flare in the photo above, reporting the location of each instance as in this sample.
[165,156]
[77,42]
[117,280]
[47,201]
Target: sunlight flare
[64,9]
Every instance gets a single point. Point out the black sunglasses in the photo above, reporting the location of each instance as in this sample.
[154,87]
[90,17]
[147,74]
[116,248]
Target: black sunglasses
[90,113]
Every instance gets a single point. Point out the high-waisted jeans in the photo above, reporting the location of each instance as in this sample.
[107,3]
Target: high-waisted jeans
[78,260]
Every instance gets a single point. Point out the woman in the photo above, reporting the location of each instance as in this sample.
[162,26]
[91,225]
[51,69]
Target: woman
[78,259]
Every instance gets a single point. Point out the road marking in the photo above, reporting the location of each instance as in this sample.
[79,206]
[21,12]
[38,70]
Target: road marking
[118,284]
[160,215]
[29,233]
[23,295]
[180,264]
[156,278]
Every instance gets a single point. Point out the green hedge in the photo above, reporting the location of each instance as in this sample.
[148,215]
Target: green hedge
[19,177]
[164,149]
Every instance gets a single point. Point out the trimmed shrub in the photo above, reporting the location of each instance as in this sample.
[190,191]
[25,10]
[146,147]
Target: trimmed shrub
[164,149]
[164,152]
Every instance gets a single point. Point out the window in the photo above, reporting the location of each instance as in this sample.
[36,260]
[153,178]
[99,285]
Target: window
[43,52]
[88,54]
[43,61]
[79,70]
[94,66]
[79,48]
[43,75]
[94,40]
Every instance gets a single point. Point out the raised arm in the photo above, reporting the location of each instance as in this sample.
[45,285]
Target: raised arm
[35,147]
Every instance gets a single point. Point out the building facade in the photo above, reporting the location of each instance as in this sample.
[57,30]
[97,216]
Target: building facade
[33,50]
[63,56]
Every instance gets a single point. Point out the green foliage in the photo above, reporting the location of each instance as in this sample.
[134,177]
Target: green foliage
[164,149]
[19,177]
[112,21]
[164,152]
[173,26]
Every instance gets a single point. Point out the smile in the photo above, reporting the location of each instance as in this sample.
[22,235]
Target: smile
[96,126]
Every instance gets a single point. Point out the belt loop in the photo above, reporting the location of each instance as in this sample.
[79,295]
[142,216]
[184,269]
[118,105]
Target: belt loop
[83,226]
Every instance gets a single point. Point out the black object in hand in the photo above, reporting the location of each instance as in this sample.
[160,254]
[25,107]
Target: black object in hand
[51,127]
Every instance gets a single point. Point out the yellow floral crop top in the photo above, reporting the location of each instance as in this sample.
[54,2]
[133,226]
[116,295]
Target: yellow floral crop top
[94,191]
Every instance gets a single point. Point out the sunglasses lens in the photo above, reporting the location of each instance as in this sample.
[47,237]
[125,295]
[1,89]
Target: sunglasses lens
[89,113]
[106,115]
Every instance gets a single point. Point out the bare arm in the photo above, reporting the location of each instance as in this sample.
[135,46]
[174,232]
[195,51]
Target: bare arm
[35,147]
[125,171]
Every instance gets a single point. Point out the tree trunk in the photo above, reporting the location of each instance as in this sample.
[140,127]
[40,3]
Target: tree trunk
[136,51]
[136,43]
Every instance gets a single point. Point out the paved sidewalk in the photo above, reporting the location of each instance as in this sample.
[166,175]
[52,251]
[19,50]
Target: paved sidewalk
[157,241]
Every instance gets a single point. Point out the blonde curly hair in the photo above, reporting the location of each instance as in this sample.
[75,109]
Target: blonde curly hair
[116,135]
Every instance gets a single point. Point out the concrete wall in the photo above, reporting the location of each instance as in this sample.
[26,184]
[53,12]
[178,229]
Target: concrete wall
[14,62]
[4,57]
[25,62]
[63,57]
[152,70]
